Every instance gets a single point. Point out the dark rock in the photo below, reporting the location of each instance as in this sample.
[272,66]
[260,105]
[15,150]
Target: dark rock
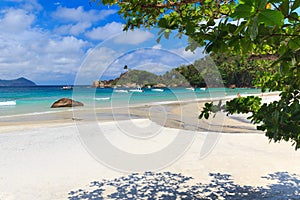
[65,102]
[232,86]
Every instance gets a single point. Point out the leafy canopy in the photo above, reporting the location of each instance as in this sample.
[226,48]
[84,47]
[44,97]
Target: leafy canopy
[266,31]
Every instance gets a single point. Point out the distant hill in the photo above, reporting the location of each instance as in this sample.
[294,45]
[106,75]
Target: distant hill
[134,78]
[17,82]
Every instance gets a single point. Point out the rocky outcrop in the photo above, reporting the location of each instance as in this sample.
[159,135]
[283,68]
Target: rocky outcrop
[102,84]
[96,84]
[159,85]
[65,102]
[232,86]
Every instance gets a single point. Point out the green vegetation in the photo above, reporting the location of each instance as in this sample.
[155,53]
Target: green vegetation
[263,31]
[233,73]
[173,78]
[139,77]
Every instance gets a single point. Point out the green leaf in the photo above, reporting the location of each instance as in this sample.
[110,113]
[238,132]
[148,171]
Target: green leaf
[294,16]
[253,28]
[167,33]
[243,11]
[284,69]
[262,4]
[211,22]
[284,7]
[275,1]
[246,45]
[271,17]
[163,23]
[190,28]
[158,39]
[294,44]
[282,49]
[246,2]
[206,115]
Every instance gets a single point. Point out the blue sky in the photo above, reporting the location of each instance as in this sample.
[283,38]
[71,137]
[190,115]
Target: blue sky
[62,42]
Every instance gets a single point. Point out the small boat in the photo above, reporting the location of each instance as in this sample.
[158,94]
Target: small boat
[137,90]
[66,88]
[203,89]
[157,90]
[121,91]
[102,98]
[191,88]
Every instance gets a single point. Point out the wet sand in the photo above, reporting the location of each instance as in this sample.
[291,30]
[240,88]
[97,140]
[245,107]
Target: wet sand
[179,115]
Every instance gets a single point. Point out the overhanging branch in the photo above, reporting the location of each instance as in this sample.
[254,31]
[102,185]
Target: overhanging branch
[264,57]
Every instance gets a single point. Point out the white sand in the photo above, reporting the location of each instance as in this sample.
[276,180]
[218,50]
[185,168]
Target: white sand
[48,163]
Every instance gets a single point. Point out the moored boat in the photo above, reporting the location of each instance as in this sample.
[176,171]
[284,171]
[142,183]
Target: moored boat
[137,90]
[157,90]
[66,88]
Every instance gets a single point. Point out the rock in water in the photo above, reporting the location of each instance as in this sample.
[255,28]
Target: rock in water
[65,102]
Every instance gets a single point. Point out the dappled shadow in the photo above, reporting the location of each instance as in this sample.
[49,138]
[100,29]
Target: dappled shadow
[176,186]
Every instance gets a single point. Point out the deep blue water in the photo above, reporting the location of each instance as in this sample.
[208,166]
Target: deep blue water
[30,100]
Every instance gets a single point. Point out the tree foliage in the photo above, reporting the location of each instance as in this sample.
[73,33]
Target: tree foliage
[264,31]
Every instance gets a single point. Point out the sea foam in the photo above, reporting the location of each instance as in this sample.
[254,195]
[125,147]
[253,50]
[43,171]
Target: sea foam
[102,98]
[8,103]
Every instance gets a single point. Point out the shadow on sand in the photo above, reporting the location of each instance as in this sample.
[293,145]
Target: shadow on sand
[175,186]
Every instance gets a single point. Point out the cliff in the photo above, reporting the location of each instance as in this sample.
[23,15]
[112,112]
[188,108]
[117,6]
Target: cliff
[17,82]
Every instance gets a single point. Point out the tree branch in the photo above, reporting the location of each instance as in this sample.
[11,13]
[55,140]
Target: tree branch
[171,4]
[264,57]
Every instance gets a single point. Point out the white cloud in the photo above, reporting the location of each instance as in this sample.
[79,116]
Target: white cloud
[157,46]
[105,32]
[32,5]
[133,37]
[67,44]
[77,20]
[16,20]
[73,29]
[115,30]
[189,55]
[28,5]
[156,61]
[80,15]
[97,64]
[30,52]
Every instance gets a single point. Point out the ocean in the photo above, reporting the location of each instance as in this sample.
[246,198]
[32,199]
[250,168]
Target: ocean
[18,101]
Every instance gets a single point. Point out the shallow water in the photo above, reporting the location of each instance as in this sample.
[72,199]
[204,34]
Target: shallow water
[38,100]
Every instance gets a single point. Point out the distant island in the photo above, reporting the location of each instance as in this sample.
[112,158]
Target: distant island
[190,75]
[16,82]
[140,78]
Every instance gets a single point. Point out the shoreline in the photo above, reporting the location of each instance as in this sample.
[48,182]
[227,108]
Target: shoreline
[44,109]
[48,160]
[172,109]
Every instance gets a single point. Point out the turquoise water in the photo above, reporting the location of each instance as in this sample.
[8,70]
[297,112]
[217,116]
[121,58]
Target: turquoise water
[38,100]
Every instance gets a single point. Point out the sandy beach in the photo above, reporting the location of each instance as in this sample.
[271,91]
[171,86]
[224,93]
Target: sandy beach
[158,151]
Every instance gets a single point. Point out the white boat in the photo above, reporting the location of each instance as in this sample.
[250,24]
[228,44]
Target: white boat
[121,91]
[191,88]
[203,89]
[137,90]
[102,98]
[66,88]
[157,90]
